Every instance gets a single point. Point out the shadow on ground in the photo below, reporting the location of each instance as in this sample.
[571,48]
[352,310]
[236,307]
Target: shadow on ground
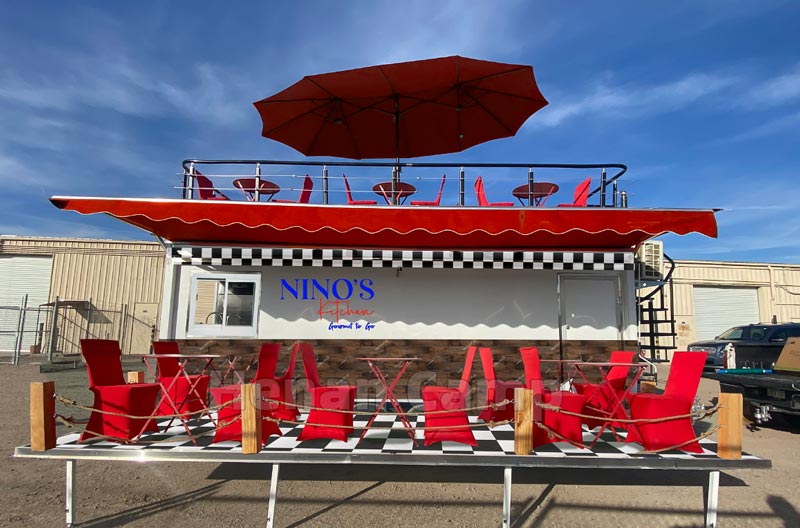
[393,473]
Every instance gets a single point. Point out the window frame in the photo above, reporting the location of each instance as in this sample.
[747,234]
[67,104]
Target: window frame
[223,329]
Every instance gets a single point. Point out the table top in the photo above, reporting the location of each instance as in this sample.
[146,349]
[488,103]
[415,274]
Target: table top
[402,189]
[241,354]
[540,188]
[248,186]
[389,358]
[539,191]
[560,361]
[607,364]
[180,356]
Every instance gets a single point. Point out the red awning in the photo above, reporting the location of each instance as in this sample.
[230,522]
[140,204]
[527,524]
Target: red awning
[346,226]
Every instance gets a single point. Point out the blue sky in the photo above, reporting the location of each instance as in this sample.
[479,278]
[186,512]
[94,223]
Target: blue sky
[701,99]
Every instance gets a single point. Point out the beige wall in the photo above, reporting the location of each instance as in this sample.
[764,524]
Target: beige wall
[122,278]
[778,288]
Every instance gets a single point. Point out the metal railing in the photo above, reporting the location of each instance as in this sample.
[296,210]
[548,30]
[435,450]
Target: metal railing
[290,174]
[53,330]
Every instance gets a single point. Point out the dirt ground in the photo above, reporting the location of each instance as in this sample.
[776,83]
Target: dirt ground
[203,494]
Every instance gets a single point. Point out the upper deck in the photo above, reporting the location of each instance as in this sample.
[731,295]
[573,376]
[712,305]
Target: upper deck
[407,206]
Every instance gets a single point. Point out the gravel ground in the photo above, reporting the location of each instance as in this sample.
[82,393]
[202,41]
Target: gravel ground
[200,494]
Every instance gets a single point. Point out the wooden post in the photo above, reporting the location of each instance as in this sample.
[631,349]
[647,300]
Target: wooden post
[136,376]
[43,415]
[523,421]
[729,436]
[251,418]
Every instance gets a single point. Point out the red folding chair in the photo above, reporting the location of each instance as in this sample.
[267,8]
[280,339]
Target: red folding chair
[496,392]
[603,399]
[581,195]
[331,415]
[305,193]
[438,196]
[206,189]
[350,200]
[684,379]
[229,422]
[114,396]
[567,427]
[276,388]
[186,393]
[452,426]
[480,192]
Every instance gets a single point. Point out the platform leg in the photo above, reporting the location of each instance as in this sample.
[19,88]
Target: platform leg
[69,505]
[273,495]
[507,497]
[711,493]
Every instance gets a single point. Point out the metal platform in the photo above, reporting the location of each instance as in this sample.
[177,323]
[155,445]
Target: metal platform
[388,444]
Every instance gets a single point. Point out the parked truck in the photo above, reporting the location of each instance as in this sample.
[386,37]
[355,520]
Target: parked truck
[768,394]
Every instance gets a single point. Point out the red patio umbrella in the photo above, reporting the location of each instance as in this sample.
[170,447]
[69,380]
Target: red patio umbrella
[402,110]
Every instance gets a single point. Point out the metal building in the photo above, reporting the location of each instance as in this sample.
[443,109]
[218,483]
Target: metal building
[710,297]
[113,289]
[55,291]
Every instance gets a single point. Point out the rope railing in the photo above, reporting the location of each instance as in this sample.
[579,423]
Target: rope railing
[71,424]
[697,415]
[493,406]
[350,427]
[73,403]
[678,446]
[254,408]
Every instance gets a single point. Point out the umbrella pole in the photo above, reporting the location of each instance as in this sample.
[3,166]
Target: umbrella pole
[325,185]
[395,179]
[461,177]
[396,169]
[530,186]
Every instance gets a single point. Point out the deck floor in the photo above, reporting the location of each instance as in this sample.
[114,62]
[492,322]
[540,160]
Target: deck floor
[388,442]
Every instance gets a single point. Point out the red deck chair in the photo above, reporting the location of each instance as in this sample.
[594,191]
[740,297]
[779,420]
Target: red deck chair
[189,394]
[438,196]
[601,398]
[305,193]
[496,391]
[567,426]
[278,388]
[480,192]
[581,195]
[113,395]
[455,425]
[325,420]
[677,399]
[350,200]
[206,189]
[274,388]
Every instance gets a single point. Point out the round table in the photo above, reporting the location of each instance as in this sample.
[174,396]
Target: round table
[535,194]
[402,191]
[248,187]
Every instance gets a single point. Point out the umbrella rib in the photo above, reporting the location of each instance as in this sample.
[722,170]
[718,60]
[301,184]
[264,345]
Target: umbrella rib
[320,122]
[395,115]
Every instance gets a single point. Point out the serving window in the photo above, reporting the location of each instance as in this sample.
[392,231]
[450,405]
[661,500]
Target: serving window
[224,305]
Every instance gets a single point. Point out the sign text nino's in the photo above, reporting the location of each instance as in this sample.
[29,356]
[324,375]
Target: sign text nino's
[337,298]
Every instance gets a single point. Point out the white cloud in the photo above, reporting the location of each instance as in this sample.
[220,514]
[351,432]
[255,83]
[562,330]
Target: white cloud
[15,172]
[80,82]
[777,90]
[626,101]
[767,128]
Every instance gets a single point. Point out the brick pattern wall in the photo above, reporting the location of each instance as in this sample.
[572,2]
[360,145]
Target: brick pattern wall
[440,362]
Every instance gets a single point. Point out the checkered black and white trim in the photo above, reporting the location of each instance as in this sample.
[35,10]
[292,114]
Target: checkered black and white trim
[387,438]
[379,258]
